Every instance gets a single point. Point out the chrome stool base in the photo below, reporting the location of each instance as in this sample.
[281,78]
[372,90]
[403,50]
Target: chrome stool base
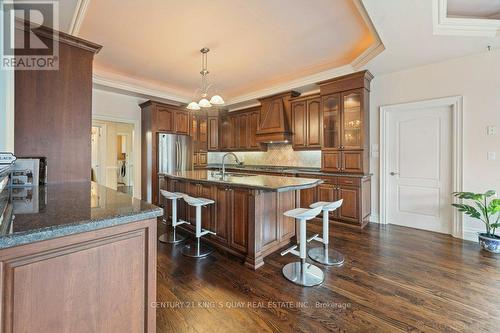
[303,274]
[197,250]
[326,256]
[171,237]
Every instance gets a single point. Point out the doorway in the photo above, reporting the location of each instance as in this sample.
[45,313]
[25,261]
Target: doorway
[112,150]
[420,166]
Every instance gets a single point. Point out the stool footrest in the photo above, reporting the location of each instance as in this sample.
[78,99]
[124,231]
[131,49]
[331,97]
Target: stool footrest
[316,238]
[206,232]
[291,250]
[179,222]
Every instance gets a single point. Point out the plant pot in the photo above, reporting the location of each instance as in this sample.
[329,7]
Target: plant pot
[488,243]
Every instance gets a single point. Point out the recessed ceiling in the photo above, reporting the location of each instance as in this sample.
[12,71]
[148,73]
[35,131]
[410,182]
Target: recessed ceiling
[484,9]
[254,44]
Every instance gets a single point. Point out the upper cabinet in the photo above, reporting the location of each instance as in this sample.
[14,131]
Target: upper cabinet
[238,130]
[306,123]
[159,117]
[345,113]
[213,133]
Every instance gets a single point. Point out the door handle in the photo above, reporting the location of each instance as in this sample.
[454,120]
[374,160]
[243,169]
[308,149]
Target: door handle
[392,173]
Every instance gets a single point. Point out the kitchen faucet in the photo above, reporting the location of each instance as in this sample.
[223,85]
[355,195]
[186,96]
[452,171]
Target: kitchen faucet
[224,163]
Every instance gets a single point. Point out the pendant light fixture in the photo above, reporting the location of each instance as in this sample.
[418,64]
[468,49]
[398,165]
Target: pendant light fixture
[203,102]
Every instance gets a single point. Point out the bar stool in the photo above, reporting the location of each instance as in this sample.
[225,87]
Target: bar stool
[324,255]
[172,237]
[198,250]
[301,272]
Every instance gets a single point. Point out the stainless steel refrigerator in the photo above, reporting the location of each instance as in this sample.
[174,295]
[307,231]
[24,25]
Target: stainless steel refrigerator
[175,153]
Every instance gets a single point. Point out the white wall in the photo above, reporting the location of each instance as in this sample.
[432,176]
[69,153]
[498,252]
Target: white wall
[477,79]
[121,108]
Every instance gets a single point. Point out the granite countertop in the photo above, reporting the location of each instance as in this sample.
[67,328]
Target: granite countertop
[50,211]
[286,170]
[258,182]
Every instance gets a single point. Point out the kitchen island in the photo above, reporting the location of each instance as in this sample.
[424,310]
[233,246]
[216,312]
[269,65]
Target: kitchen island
[77,257]
[247,216]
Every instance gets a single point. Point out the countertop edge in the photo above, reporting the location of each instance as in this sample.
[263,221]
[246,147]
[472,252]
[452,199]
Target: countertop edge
[38,235]
[253,187]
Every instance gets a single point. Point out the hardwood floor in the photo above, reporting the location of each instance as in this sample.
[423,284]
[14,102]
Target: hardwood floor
[395,279]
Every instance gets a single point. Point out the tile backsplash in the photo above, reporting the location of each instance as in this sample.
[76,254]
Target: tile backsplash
[278,154]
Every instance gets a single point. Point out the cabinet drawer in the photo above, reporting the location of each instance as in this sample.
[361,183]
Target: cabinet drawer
[349,181]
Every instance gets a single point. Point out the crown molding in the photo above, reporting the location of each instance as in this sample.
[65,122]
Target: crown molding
[455,26]
[128,87]
[242,101]
[78,16]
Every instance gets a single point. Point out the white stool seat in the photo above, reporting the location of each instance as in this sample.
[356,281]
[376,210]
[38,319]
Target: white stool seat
[329,206]
[171,195]
[303,213]
[197,201]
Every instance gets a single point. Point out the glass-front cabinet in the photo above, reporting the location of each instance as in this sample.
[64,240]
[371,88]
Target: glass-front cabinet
[343,120]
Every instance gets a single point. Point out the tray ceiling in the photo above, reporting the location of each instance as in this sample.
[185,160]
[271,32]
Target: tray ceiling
[254,44]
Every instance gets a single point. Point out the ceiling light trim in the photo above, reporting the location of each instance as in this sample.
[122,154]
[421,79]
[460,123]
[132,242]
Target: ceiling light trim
[78,17]
[454,26]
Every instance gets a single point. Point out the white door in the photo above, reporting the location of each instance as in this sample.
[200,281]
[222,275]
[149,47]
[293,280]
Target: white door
[96,136]
[419,168]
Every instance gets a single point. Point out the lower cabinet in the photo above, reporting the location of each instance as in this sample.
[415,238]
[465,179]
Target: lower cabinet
[342,161]
[354,191]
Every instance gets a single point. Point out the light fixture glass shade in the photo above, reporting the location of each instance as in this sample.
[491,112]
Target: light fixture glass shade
[193,106]
[204,103]
[216,100]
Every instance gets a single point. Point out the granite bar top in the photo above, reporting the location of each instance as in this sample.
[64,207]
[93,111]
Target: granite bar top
[50,211]
[258,182]
[285,170]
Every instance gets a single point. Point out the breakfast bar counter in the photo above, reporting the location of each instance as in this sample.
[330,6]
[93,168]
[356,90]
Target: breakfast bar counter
[247,216]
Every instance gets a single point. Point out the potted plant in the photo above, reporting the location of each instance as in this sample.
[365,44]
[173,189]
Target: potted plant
[487,210]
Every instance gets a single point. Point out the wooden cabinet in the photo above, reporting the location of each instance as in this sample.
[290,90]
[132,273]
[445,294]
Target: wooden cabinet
[345,113]
[75,283]
[213,133]
[165,119]
[238,131]
[275,118]
[306,120]
[199,133]
[158,118]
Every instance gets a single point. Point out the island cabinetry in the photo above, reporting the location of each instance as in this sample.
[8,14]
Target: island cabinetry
[346,122]
[248,223]
[76,283]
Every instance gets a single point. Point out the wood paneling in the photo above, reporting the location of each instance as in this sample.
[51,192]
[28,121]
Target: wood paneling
[76,283]
[53,111]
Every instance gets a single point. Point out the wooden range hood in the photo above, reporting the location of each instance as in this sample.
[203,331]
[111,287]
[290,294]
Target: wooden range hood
[275,118]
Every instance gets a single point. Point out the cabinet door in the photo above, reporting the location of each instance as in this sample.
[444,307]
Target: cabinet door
[352,161]
[352,120]
[313,129]
[349,210]
[253,122]
[164,119]
[213,133]
[202,134]
[194,130]
[225,133]
[207,212]
[331,121]
[239,227]
[243,132]
[299,124]
[308,197]
[234,121]
[181,123]
[331,161]
[224,211]
[180,187]
[195,159]
[202,159]
[328,193]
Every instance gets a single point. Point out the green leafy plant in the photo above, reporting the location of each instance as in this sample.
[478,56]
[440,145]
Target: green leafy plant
[487,209]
